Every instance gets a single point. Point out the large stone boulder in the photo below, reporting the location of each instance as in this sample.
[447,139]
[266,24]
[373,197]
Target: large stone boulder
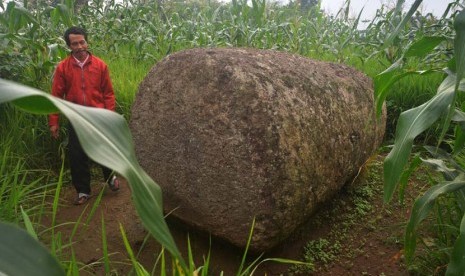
[236,134]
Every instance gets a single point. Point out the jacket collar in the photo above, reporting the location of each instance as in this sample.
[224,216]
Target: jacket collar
[74,61]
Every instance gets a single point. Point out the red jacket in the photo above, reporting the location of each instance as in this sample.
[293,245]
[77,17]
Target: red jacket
[89,86]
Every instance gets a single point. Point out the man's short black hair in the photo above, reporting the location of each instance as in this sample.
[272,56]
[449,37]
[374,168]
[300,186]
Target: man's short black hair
[74,30]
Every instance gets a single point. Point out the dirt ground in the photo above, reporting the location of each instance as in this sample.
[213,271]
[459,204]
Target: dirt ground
[354,239]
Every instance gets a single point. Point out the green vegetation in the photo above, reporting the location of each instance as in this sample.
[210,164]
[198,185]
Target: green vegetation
[405,53]
[344,213]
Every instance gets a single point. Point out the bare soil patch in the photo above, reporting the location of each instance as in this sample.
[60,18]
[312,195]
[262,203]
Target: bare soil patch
[354,234]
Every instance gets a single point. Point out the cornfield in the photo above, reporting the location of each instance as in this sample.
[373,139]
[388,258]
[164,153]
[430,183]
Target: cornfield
[417,63]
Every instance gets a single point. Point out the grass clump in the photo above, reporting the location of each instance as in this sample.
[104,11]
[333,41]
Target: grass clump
[355,210]
[322,251]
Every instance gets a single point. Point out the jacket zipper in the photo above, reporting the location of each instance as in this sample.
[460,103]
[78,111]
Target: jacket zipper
[83,86]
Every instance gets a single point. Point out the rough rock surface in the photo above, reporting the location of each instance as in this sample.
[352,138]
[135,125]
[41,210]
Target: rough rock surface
[236,134]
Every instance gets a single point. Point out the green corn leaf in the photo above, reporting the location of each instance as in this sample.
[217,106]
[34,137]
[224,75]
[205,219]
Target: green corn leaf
[69,5]
[21,254]
[12,17]
[354,29]
[55,17]
[399,6]
[384,81]
[459,116]
[35,104]
[401,25]
[457,259]
[459,142]
[411,123]
[452,65]
[106,139]
[459,48]
[403,181]
[420,210]
[447,10]
[440,166]
[439,153]
[459,45]
[424,46]
[65,14]
[26,14]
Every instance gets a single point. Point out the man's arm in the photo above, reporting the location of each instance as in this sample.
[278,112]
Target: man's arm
[58,90]
[107,90]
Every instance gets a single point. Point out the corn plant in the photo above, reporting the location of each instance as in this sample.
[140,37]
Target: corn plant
[26,41]
[140,34]
[106,139]
[413,122]
[16,261]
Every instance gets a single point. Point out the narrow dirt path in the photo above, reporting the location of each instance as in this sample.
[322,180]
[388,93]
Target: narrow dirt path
[350,237]
[81,228]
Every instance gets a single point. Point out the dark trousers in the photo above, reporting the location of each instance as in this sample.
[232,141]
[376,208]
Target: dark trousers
[80,164]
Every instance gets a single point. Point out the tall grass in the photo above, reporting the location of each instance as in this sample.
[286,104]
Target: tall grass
[132,36]
[25,176]
[126,74]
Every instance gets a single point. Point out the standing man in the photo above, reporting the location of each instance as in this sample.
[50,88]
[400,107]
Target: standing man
[82,79]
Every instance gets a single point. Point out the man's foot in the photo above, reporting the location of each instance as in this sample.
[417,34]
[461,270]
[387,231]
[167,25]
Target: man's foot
[114,183]
[81,199]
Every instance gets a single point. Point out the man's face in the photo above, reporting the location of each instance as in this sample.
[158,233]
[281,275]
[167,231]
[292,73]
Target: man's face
[78,46]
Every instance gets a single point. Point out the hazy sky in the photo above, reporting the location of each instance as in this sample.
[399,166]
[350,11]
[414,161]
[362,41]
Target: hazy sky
[437,7]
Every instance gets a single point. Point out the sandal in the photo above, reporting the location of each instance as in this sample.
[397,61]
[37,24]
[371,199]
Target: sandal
[81,199]
[114,184]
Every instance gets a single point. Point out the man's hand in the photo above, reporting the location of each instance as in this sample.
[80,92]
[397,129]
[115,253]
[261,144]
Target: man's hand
[54,131]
